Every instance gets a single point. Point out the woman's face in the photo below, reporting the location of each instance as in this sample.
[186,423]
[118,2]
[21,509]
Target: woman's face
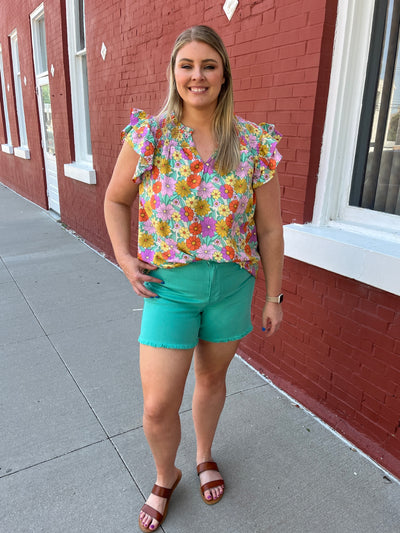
[199,75]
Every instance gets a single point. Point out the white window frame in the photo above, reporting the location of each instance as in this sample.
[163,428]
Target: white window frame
[354,242]
[22,150]
[82,168]
[36,16]
[7,147]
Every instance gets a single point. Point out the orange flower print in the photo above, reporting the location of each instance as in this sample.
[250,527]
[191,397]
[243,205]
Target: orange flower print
[149,149]
[234,205]
[226,191]
[187,213]
[247,250]
[229,221]
[187,153]
[143,215]
[193,243]
[272,164]
[155,173]
[196,166]
[157,187]
[193,180]
[195,228]
[228,252]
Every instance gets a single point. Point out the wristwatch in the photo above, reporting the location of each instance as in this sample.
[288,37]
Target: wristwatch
[275,299]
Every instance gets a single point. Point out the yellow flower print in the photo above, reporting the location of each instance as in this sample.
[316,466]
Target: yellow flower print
[176,216]
[165,167]
[182,246]
[250,206]
[146,240]
[185,170]
[182,188]
[222,228]
[264,149]
[191,202]
[157,161]
[148,208]
[229,180]
[158,259]
[201,207]
[184,233]
[240,186]
[216,194]
[224,210]
[164,246]
[176,155]
[163,229]
[217,256]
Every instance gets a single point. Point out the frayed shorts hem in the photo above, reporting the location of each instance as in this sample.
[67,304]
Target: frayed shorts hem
[191,346]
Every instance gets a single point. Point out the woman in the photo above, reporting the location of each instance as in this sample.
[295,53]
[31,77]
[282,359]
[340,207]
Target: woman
[209,210]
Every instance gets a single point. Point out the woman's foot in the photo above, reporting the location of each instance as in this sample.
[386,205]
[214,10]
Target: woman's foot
[211,482]
[154,511]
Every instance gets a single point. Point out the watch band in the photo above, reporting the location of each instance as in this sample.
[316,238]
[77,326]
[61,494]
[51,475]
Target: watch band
[275,299]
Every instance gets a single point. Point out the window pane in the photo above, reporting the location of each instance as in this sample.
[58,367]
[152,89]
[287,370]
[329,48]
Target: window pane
[376,178]
[80,25]
[41,42]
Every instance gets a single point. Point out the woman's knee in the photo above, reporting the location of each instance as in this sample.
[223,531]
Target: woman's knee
[211,380]
[157,411]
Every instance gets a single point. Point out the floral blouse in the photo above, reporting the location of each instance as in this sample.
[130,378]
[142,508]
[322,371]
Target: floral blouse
[187,210]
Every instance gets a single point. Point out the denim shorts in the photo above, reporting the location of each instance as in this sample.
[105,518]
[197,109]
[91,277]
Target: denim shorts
[201,300]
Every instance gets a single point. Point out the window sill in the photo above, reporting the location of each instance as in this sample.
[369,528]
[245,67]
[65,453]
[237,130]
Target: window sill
[7,148]
[22,152]
[365,258]
[80,172]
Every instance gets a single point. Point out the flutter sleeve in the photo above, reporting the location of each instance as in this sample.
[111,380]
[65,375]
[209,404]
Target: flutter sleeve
[138,134]
[268,155]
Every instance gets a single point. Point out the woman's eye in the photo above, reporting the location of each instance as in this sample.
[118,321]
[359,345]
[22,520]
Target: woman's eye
[210,67]
[185,66]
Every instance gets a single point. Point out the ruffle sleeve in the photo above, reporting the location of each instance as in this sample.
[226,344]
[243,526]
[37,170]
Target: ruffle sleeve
[139,135]
[268,156]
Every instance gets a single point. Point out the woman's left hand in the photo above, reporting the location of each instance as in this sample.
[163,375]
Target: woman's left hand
[271,318]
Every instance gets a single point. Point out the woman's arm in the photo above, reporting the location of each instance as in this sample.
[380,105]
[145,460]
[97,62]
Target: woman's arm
[120,195]
[270,243]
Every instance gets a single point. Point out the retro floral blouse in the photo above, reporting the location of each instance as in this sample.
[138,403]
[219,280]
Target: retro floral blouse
[187,210]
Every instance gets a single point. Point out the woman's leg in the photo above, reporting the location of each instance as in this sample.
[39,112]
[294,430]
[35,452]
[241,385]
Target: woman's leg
[163,372]
[211,364]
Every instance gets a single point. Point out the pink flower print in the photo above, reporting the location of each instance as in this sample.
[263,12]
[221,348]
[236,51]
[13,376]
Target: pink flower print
[243,169]
[253,236]
[164,212]
[208,227]
[147,255]
[167,186]
[242,205]
[148,226]
[205,190]
[205,252]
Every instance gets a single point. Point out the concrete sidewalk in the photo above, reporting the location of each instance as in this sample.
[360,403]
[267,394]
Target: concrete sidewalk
[73,457]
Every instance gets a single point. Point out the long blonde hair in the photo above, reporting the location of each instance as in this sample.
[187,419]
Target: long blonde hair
[224,122]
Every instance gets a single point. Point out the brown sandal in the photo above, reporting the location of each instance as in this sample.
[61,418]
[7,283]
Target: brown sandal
[163,493]
[203,467]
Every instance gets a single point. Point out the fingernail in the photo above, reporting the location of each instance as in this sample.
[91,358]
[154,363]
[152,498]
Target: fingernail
[151,527]
[208,497]
[263,329]
[163,282]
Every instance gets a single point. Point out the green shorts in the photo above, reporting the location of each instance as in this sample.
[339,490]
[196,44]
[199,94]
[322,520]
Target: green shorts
[202,300]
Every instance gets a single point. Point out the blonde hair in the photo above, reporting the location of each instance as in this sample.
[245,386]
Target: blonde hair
[224,122]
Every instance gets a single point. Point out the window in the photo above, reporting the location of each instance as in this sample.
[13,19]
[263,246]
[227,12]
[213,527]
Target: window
[39,42]
[7,147]
[376,175]
[23,150]
[355,226]
[82,168]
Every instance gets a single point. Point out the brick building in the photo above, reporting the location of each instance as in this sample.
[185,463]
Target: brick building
[325,72]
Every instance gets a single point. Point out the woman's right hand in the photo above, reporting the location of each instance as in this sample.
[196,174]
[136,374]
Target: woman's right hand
[135,270]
